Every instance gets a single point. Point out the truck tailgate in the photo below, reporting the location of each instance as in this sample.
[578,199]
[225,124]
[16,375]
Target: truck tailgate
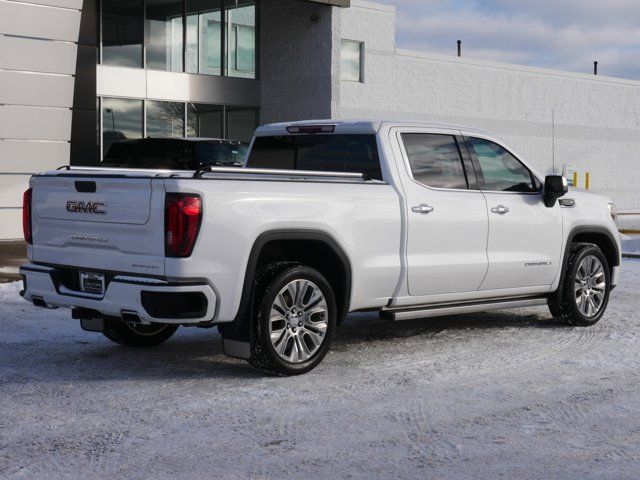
[111,223]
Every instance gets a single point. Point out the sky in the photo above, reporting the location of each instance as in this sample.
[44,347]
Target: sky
[562,34]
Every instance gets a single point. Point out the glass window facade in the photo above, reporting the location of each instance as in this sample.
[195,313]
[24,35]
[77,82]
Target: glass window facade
[221,35]
[352,61]
[241,123]
[124,119]
[205,120]
[165,119]
[241,40]
[121,120]
[204,37]
[163,35]
[122,32]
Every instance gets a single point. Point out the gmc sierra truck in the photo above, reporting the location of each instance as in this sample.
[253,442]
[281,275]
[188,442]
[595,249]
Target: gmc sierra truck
[325,218]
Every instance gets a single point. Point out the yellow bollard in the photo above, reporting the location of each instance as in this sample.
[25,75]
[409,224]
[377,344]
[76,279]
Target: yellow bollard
[575,179]
[587,180]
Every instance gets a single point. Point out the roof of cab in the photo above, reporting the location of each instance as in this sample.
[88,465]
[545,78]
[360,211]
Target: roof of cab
[359,126]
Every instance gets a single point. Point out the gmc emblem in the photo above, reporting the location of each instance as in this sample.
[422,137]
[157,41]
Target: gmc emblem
[89,207]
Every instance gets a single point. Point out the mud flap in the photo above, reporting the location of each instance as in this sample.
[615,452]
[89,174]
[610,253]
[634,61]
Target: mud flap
[236,349]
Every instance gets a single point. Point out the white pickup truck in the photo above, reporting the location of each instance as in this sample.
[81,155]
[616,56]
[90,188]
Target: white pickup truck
[409,220]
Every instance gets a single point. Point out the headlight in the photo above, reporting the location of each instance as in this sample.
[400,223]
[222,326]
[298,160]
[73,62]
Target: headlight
[613,211]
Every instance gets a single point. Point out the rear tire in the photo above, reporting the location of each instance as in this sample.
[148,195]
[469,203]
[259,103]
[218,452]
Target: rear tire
[137,335]
[583,295]
[295,318]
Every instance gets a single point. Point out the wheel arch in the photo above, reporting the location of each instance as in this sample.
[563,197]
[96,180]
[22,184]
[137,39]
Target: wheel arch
[599,236]
[269,247]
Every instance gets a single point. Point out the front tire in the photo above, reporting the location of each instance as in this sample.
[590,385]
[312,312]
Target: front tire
[294,322]
[137,335]
[584,293]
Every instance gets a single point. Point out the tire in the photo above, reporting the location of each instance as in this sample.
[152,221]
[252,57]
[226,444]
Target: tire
[297,305]
[137,335]
[583,295]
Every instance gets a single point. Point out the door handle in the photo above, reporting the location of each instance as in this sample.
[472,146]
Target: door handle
[423,209]
[500,210]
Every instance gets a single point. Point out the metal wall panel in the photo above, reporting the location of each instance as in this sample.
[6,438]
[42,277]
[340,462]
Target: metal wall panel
[24,156]
[38,21]
[74,4]
[37,55]
[203,88]
[11,222]
[39,123]
[121,82]
[11,189]
[39,89]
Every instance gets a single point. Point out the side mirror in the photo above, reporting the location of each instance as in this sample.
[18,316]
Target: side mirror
[555,186]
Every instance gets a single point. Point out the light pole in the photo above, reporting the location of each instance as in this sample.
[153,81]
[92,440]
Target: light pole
[113,119]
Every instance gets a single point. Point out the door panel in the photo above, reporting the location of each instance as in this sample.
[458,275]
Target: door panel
[525,237]
[524,242]
[447,227]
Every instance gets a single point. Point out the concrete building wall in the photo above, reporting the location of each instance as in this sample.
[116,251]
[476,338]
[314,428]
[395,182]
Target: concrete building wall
[296,59]
[597,119]
[38,49]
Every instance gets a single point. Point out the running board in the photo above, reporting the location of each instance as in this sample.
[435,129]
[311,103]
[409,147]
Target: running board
[456,309]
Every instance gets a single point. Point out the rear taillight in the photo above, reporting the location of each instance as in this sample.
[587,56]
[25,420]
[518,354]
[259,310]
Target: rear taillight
[182,218]
[26,216]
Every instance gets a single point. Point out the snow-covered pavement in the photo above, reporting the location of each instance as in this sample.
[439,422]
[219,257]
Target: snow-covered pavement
[497,395]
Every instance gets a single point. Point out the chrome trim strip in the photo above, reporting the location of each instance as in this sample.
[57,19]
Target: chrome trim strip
[36,268]
[441,311]
[139,280]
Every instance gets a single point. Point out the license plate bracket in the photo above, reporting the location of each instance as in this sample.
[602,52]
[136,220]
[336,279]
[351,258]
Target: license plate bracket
[92,283]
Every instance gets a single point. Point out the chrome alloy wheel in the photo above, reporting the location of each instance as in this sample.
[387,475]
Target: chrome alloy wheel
[590,286]
[298,321]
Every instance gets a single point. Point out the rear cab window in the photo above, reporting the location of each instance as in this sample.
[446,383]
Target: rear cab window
[349,153]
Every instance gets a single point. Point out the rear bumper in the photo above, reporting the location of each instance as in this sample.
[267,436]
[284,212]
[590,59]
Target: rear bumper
[124,295]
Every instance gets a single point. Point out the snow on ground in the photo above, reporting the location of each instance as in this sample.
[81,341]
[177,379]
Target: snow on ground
[630,244]
[481,396]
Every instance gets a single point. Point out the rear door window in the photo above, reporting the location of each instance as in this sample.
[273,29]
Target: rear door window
[435,160]
[356,153]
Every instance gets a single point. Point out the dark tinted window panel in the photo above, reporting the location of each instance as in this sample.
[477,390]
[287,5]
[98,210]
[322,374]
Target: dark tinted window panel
[122,33]
[501,171]
[326,153]
[204,120]
[435,160]
[121,120]
[119,154]
[220,154]
[165,155]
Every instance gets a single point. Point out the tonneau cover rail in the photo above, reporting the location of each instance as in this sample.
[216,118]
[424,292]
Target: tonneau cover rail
[220,173]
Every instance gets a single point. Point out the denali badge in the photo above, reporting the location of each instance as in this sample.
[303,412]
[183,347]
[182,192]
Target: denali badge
[89,238]
[89,207]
